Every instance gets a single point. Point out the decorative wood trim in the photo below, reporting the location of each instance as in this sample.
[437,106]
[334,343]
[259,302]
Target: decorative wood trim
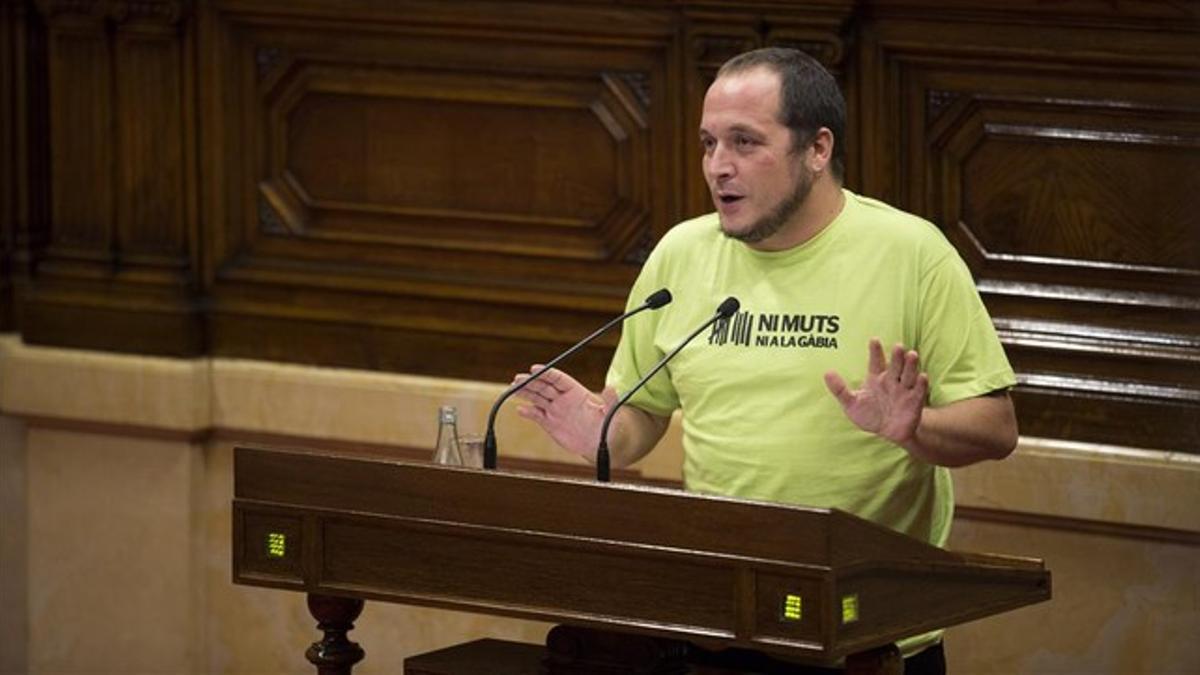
[163,12]
[268,60]
[830,51]
[641,250]
[1076,14]
[268,218]
[639,84]
[206,435]
[12,25]
[936,103]
[711,51]
[55,8]
[72,425]
[566,469]
[1105,529]
[573,470]
[1077,385]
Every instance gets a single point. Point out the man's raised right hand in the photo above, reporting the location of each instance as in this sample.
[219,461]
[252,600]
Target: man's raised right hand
[566,410]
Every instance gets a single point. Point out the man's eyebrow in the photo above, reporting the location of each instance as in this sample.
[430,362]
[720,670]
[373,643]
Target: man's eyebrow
[742,128]
[736,129]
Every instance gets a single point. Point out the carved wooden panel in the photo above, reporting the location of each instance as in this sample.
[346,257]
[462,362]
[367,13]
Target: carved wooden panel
[457,161]
[1070,187]
[119,255]
[10,27]
[462,189]
[23,183]
[494,191]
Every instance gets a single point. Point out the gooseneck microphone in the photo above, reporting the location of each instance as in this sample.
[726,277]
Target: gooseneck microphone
[725,310]
[656,299]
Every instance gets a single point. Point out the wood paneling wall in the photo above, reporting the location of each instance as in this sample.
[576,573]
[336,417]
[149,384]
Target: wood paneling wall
[23,157]
[1059,153]
[462,189]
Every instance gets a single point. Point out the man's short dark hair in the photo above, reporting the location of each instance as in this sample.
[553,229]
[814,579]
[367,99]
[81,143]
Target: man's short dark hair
[809,97]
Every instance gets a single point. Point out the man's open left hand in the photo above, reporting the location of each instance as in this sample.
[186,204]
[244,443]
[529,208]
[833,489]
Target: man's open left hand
[892,396]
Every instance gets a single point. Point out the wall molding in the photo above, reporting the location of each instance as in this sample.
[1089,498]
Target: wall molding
[1106,489]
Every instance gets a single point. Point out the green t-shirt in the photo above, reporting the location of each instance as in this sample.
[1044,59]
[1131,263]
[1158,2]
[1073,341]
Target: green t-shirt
[758,420]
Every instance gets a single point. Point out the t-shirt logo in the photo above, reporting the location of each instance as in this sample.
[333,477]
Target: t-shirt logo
[810,331]
[736,328]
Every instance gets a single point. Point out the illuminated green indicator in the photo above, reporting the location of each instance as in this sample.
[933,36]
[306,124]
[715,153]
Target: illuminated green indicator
[276,544]
[849,608]
[792,605]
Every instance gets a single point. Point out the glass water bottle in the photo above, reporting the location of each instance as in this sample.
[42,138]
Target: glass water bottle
[447,450]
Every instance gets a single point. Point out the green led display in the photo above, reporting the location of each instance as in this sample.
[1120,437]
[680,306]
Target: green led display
[849,608]
[792,607]
[276,544]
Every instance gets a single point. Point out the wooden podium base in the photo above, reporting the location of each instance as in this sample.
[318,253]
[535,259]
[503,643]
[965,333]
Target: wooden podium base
[579,651]
[481,657]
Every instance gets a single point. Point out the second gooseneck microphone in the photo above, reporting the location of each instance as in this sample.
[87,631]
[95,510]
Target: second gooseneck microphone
[656,299]
[725,310]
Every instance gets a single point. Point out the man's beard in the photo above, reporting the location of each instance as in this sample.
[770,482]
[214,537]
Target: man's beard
[774,221]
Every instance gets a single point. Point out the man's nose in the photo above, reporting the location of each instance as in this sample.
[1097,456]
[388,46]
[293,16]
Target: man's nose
[719,163]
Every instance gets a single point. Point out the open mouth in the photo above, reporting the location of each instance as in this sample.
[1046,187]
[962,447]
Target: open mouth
[730,199]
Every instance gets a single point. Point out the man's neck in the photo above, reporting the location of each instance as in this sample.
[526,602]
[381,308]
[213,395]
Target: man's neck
[822,206]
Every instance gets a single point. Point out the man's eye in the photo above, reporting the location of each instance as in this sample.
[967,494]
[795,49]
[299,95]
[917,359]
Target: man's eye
[708,144]
[743,141]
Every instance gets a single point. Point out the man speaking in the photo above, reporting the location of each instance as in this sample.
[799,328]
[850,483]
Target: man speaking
[862,362]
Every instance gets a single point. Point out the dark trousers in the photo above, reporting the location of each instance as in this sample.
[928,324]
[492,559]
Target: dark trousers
[930,661]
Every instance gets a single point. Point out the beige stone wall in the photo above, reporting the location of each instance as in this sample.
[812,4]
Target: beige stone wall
[1121,605]
[14,581]
[1120,531]
[116,481]
[112,552]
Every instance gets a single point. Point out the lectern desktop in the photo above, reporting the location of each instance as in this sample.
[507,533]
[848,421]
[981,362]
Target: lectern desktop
[805,584]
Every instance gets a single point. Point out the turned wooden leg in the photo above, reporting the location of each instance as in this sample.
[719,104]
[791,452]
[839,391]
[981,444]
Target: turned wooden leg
[335,654]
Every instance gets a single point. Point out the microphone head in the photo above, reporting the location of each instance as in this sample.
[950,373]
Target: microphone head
[728,307]
[658,298]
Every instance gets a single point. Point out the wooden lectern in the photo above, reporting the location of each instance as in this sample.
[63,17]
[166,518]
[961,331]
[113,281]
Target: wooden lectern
[805,584]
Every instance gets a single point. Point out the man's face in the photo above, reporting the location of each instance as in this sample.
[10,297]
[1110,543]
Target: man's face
[757,181]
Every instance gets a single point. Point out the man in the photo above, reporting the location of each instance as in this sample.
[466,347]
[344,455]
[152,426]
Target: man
[825,279]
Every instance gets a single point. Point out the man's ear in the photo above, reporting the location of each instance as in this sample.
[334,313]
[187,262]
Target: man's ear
[820,154]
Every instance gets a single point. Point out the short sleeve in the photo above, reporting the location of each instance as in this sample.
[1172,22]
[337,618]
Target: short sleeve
[958,345]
